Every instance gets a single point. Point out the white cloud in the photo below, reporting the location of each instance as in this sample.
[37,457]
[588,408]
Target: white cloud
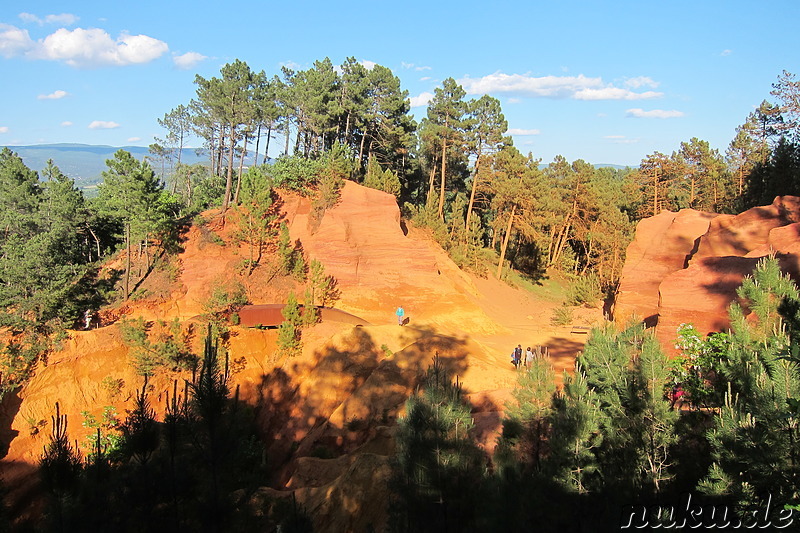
[14,41]
[415,67]
[614,93]
[291,65]
[94,47]
[655,113]
[134,139]
[103,125]
[3,129]
[620,139]
[81,48]
[641,81]
[578,87]
[425,78]
[518,131]
[66,123]
[726,52]
[369,65]
[65,19]
[514,100]
[188,60]
[57,95]
[421,100]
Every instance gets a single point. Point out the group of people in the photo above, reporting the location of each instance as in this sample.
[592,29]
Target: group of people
[520,358]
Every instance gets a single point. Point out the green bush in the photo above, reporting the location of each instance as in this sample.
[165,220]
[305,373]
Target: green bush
[561,316]
[295,173]
[584,290]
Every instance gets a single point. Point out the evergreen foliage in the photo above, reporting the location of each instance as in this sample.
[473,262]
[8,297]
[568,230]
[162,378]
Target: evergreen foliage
[182,473]
[438,469]
[165,347]
[132,194]
[256,215]
[755,438]
[383,180]
[289,343]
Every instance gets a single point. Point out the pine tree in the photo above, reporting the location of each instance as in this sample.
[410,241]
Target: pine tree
[285,250]
[132,193]
[613,427]
[438,469]
[526,429]
[60,466]
[289,343]
[576,435]
[256,215]
[755,441]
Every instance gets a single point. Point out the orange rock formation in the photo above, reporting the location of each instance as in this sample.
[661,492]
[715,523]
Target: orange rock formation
[686,267]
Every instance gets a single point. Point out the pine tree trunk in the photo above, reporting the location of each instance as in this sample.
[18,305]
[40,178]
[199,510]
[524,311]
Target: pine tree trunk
[211,148]
[220,152]
[258,144]
[229,178]
[431,182]
[361,148]
[443,180]
[266,146]
[472,194]
[506,237]
[241,166]
[128,260]
[563,234]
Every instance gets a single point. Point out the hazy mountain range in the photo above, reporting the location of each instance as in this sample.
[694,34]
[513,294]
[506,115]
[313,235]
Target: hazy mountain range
[85,162]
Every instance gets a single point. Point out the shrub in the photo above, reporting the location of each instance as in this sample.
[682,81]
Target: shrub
[166,346]
[294,172]
[584,290]
[289,331]
[561,316]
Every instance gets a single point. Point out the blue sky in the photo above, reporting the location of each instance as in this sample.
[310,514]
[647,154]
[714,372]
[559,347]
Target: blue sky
[608,82]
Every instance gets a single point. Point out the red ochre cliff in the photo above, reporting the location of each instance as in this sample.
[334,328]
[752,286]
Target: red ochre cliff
[685,267]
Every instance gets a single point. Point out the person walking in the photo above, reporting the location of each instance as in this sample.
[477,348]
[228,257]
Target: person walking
[517,356]
[401,315]
[528,357]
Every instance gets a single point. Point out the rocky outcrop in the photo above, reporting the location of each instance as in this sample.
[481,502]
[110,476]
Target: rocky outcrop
[362,242]
[676,272]
[739,235]
[663,244]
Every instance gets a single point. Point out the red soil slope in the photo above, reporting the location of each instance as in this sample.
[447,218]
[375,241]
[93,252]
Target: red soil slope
[349,384]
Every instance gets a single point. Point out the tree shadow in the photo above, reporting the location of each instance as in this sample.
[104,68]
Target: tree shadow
[562,353]
[9,408]
[338,400]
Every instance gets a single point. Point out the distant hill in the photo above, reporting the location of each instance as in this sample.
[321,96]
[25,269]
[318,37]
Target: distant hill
[85,162]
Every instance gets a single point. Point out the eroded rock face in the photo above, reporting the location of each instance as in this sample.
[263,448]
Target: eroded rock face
[361,240]
[676,272]
[738,235]
[663,244]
